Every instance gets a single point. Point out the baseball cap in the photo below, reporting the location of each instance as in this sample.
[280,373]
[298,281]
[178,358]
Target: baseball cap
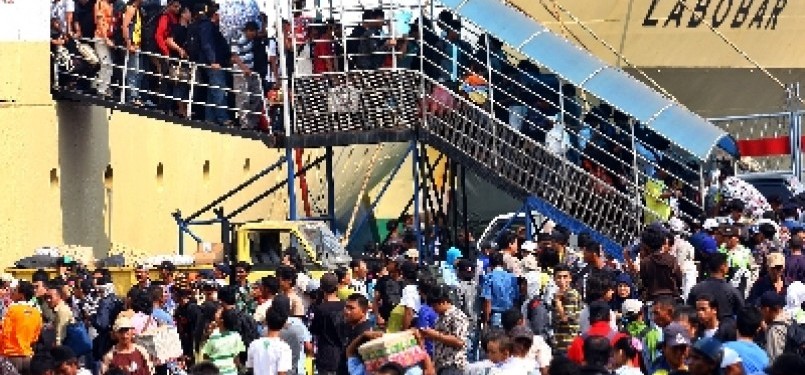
[776,260]
[328,283]
[167,266]
[772,299]
[676,225]
[675,334]
[730,231]
[710,224]
[631,306]
[731,357]
[710,348]
[123,322]
[529,246]
[412,253]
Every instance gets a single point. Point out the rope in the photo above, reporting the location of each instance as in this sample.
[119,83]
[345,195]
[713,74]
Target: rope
[614,51]
[739,50]
[368,174]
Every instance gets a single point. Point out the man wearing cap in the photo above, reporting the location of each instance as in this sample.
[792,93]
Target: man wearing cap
[675,346]
[529,262]
[776,323]
[126,355]
[773,280]
[706,357]
[166,271]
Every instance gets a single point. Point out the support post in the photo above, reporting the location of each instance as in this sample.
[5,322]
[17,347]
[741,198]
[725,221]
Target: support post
[178,217]
[454,201]
[415,170]
[529,222]
[328,167]
[464,201]
[796,130]
[226,240]
[289,164]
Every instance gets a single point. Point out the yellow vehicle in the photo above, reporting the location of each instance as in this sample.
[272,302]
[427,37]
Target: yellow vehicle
[263,244]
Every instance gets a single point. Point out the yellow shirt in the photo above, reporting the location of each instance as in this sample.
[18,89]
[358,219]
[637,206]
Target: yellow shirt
[344,292]
[657,208]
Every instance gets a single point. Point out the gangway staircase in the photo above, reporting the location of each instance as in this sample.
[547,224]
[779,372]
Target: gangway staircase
[393,105]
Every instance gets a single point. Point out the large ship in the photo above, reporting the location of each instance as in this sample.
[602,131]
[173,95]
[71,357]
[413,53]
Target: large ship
[75,173]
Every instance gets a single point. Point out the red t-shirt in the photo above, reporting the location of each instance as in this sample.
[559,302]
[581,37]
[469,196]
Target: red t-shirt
[575,352]
[322,51]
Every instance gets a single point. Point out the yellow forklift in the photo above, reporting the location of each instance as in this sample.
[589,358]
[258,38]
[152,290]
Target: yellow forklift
[263,244]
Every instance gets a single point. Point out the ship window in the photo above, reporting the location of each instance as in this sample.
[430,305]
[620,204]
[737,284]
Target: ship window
[247,165]
[108,177]
[205,170]
[160,173]
[54,178]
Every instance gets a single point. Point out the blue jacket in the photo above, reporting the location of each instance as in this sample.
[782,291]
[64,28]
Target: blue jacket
[212,43]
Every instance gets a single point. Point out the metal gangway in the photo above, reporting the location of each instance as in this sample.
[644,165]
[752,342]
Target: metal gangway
[590,147]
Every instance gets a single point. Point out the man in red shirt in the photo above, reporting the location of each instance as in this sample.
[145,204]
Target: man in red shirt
[167,20]
[599,326]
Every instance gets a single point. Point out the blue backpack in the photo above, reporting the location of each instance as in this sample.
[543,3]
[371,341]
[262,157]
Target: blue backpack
[77,338]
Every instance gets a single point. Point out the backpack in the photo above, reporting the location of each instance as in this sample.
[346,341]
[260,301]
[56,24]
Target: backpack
[537,315]
[77,338]
[467,299]
[392,292]
[795,339]
[149,31]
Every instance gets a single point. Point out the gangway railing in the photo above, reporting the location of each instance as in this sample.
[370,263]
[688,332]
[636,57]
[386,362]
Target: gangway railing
[416,69]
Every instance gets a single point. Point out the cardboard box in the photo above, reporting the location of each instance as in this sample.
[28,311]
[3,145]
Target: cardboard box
[209,253]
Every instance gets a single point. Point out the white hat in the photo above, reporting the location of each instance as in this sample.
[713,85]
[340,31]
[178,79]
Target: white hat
[529,246]
[676,225]
[631,306]
[412,253]
[730,357]
[710,224]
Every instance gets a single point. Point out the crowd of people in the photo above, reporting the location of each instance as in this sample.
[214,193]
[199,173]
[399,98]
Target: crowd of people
[726,299]
[721,295]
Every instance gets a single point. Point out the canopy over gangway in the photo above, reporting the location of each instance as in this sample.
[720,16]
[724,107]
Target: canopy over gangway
[666,117]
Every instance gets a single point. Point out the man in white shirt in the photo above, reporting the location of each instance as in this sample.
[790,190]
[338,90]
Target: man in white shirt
[270,355]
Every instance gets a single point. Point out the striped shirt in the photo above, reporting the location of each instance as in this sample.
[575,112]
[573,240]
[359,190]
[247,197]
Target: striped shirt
[242,47]
[222,349]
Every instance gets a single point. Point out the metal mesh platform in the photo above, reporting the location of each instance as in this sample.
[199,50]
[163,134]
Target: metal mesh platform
[356,101]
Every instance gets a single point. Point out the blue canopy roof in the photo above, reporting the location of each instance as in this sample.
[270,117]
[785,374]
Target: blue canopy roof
[667,118]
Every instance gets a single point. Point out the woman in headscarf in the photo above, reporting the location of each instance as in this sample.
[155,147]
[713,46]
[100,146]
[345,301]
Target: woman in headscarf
[624,289]
[448,268]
